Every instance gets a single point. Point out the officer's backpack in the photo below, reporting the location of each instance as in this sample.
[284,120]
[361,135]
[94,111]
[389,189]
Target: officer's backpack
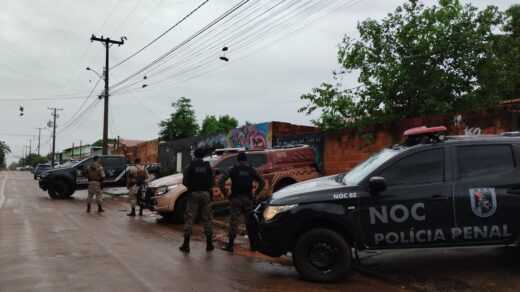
[140,175]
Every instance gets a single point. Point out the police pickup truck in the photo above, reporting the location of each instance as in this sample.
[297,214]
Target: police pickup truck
[431,191]
[64,181]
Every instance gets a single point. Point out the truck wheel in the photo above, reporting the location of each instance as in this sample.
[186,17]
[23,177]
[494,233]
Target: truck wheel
[180,208]
[282,184]
[59,190]
[322,255]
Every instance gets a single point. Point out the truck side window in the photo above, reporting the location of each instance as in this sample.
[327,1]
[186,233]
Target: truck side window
[256,160]
[226,163]
[418,168]
[484,160]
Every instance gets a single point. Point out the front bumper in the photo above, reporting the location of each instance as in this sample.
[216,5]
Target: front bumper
[43,184]
[272,237]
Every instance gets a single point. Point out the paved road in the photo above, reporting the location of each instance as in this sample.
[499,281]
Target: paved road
[54,245]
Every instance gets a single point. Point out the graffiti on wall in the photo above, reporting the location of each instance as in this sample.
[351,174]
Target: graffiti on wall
[473,131]
[249,136]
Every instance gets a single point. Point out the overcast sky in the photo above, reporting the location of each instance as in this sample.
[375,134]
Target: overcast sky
[278,50]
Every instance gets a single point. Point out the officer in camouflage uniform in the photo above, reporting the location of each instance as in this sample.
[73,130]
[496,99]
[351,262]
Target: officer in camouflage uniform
[199,178]
[96,175]
[135,180]
[242,176]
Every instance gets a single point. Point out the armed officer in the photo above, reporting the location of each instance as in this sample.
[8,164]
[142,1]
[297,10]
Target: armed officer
[199,178]
[96,175]
[242,176]
[135,180]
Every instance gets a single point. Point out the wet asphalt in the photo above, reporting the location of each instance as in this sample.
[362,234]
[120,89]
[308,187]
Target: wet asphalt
[54,245]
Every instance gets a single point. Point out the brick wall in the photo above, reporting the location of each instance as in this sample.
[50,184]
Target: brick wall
[344,149]
[285,129]
[148,151]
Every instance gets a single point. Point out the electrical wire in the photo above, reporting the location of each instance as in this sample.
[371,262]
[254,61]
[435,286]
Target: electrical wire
[161,35]
[127,16]
[205,31]
[145,18]
[264,31]
[218,19]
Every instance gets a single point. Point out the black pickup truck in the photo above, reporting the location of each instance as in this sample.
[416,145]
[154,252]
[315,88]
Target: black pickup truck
[63,182]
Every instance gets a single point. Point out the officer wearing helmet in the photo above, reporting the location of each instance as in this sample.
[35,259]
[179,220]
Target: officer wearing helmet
[199,178]
[242,176]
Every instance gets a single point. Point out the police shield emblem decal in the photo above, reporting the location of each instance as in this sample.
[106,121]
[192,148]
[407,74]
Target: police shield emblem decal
[483,201]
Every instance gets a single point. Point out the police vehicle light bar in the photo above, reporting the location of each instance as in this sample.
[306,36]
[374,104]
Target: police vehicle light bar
[424,135]
[425,130]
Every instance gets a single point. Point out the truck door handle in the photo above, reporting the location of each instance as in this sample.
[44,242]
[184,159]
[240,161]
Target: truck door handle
[514,191]
[438,197]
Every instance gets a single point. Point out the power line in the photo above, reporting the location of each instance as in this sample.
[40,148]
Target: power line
[218,19]
[161,35]
[145,18]
[248,36]
[126,17]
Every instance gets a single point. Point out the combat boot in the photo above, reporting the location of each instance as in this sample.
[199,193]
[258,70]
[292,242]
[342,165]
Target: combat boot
[88,208]
[132,213]
[230,245]
[140,211]
[209,243]
[252,247]
[185,247]
[100,209]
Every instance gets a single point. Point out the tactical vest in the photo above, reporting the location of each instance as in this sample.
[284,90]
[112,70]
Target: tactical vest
[199,177]
[140,175]
[93,172]
[242,180]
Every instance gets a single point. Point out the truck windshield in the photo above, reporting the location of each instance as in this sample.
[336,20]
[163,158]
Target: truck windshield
[358,173]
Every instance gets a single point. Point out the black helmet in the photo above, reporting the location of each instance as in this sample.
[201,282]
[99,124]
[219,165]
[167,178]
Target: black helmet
[242,156]
[199,152]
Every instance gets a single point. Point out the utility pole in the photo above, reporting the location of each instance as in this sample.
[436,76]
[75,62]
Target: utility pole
[107,43]
[39,136]
[53,109]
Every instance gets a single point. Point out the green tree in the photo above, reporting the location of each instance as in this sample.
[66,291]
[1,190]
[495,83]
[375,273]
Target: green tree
[34,159]
[100,142]
[416,61]
[13,165]
[4,150]
[182,122]
[212,125]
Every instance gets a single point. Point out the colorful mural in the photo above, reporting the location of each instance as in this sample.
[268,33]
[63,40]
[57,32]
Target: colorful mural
[248,136]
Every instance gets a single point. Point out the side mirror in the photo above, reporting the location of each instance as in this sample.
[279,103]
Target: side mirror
[376,184]
[81,167]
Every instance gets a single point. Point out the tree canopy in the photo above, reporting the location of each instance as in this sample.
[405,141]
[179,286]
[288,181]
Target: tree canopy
[4,150]
[418,61]
[212,125]
[182,122]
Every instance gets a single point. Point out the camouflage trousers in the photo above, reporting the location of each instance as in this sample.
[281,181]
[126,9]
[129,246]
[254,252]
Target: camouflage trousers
[196,201]
[94,188]
[132,195]
[239,206]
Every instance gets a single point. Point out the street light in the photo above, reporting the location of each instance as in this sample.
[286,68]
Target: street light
[89,69]
[105,114]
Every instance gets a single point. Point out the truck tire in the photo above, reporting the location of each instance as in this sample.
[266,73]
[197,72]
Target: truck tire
[59,190]
[322,255]
[180,208]
[282,184]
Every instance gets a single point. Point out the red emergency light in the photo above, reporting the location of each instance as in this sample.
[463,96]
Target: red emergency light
[425,130]
[424,134]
